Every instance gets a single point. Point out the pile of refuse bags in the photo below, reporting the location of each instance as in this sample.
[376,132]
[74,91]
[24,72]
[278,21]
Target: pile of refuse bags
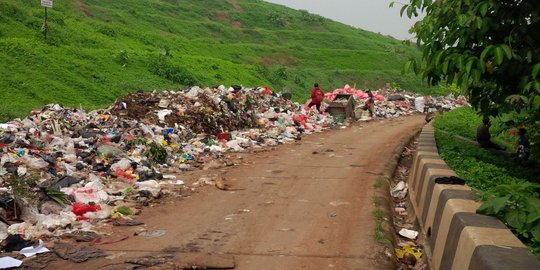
[63,168]
[393,103]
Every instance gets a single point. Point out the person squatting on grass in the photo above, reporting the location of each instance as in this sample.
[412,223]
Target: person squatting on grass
[483,137]
[317,96]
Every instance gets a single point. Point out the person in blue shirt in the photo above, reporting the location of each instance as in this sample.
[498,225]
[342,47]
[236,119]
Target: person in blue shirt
[523,147]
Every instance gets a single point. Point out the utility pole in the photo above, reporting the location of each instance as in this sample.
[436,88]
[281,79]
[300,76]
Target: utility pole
[46,4]
[45,25]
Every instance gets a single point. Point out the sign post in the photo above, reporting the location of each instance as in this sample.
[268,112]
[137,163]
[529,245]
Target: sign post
[46,4]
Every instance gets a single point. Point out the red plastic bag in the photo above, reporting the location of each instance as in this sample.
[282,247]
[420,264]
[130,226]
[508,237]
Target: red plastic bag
[122,174]
[80,209]
[266,90]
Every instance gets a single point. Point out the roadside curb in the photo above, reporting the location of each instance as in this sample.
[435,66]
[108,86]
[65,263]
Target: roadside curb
[456,236]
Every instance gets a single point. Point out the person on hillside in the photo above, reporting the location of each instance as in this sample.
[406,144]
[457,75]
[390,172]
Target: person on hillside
[523,147]
[317,96]
[483,137]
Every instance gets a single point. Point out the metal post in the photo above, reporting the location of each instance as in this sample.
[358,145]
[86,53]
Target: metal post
[45,25]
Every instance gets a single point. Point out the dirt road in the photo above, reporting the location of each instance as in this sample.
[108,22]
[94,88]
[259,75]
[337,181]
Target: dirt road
[305,205]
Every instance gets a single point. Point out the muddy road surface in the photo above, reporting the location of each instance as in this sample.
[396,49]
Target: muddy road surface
[304,205]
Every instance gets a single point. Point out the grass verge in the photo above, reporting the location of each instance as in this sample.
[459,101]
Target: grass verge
[380,215]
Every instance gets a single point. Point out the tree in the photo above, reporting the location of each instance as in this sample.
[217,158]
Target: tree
[490,48]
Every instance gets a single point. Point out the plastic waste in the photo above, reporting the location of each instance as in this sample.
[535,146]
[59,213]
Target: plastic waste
[109,150]
[123,211]
[31,251]
[147,130]
[152,234]
[86,195]
[24,230]
[401,252]
[21,171]
[65,181]
[55,220]
[9,262]
[162,114]
[419,104]
[34,163]
[399,191]
[123,164]
[80,209]
[151,185]
[103,213]
[408,233]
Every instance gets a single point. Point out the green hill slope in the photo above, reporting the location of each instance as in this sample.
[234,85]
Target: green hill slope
[98,50]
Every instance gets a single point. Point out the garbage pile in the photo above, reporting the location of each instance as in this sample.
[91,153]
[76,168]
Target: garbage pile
[409,243]
[393,103]
[62,169]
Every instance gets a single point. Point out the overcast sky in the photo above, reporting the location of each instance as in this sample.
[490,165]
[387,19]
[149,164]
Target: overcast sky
[371,15]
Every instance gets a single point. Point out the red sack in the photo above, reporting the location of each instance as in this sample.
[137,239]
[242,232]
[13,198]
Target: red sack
[80,209]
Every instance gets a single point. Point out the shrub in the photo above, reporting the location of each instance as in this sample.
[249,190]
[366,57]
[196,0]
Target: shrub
[162,66]
[107,31]
[311,18]
[277,19]
[517,204]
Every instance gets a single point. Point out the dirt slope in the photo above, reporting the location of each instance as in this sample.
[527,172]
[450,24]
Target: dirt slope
[306,205]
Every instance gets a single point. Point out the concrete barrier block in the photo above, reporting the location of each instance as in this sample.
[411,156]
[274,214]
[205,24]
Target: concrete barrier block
[433,199]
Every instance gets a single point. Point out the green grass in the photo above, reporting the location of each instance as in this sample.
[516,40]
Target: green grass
[377,201]
[98,50]
[508,188]
[378,182]
[479,166]
[465,120]
[381,235]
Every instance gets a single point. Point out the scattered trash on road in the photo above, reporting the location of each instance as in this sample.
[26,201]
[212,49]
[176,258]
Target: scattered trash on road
[31,251]
[339,203]
[152,234]
[77,254]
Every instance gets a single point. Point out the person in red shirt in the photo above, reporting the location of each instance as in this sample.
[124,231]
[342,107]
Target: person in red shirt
[317,96]
[370,103]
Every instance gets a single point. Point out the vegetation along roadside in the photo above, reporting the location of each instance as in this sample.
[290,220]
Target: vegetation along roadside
[508,189]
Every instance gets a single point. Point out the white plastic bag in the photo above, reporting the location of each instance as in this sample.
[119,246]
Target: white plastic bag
[419,104]
[34,163]
[122,164]
[104,213]
[150,185]
[162,113]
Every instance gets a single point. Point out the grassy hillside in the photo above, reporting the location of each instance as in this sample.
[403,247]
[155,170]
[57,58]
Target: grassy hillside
[98,50]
